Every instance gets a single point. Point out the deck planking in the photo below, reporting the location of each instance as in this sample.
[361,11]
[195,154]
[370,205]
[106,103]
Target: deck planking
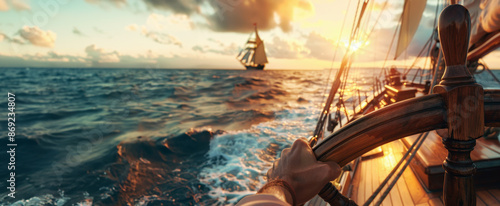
[486,197]
[418,194]
[391,160]
[408,190]
[429,159]
[380,176]
[495,192]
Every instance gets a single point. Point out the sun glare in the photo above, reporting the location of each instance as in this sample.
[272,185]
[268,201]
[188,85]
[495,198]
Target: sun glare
[355,45]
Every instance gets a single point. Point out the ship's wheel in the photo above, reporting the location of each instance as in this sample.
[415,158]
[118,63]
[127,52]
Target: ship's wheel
[459,104]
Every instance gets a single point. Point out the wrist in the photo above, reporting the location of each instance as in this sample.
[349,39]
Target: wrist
[281,189]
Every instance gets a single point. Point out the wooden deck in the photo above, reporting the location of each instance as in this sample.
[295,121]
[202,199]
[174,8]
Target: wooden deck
[408,189]
[430,157]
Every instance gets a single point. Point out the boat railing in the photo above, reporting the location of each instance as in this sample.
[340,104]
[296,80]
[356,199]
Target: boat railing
[419,73]
[360,99]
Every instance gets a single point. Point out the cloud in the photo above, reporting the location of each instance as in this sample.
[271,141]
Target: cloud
[3,5]
[9,39]
[281,48]
[39,60]
[239,16]
[2,37]
[132,27]
[319,46]
[177,21]
[199,48]
[113,2]
[78,32]
[217,47]
[38,37]
[315,46]
[98,30]
[176,6]
[99,55]
[53,56]
[232,15]
[20,5]
[161,38]
[159,27]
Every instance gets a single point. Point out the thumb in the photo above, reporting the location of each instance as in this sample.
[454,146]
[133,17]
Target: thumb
[333,170]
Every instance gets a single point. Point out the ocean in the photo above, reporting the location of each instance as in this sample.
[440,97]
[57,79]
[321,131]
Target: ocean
[156,136]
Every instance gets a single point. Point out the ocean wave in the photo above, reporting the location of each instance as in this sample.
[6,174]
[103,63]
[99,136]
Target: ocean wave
[244,97]
[160,171]
[57,114]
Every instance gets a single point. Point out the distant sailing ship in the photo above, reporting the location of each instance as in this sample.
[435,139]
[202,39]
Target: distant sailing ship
[253,56]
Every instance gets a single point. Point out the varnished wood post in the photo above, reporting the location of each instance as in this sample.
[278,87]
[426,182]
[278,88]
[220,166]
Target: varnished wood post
[465,107]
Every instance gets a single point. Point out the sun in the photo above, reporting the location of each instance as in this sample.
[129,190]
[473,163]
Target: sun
[355,45]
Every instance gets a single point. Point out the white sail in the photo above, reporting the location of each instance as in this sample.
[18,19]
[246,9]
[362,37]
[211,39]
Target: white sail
[239,55]
[485,27]
[484,18]
[257,37]
[252,61]
[412,13]
[260,54]
[245,58]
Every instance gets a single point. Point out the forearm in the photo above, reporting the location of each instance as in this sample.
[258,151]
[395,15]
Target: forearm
[277,192]
[280,192]
[262,199]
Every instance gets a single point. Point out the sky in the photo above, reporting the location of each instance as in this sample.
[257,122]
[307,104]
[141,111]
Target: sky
[298,34]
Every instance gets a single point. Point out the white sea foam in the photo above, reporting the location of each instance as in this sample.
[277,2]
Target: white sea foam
[47,199]
[238,160]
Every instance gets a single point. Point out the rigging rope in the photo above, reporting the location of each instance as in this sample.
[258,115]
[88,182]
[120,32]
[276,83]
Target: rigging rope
[363,9]
[392,41]
[376,21]
[438,63]
[354,22]
[390,46]
[428,43]
[438,5]
[369,17]
[386,192]
[489,71]
[335,53]
[381,186]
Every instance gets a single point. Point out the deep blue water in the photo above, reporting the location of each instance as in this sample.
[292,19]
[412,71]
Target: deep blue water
[118,136]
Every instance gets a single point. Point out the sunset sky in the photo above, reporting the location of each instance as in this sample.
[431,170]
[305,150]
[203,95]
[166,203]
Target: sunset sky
[298,34]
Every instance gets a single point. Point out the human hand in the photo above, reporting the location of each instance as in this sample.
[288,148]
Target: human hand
[300,169]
